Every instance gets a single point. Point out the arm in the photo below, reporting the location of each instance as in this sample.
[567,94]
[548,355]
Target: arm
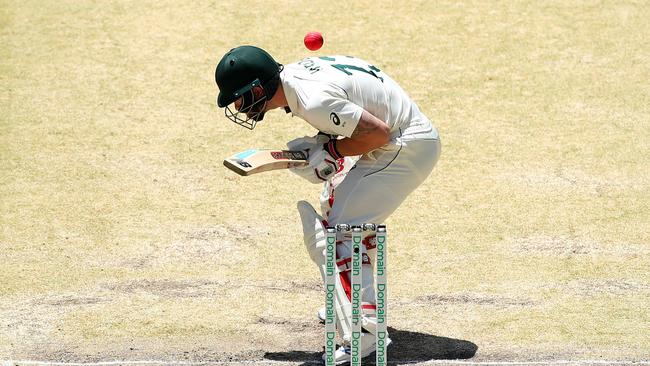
[371,133]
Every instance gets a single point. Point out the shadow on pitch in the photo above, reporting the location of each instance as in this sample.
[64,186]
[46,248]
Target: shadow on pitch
[407,347]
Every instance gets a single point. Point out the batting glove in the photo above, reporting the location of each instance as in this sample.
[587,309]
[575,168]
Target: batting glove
[325,160]
[307,143]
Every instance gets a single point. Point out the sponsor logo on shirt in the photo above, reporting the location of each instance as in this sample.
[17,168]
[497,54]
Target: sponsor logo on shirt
[335,119]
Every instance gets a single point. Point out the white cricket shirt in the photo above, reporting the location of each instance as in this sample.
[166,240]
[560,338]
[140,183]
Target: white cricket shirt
[331,92]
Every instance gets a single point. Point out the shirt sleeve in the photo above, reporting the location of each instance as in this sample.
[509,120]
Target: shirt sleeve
[334,115]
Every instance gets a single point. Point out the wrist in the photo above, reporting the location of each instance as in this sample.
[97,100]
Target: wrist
[331,149]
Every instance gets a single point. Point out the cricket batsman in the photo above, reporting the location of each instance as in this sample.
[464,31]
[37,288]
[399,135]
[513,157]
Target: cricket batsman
[374,148]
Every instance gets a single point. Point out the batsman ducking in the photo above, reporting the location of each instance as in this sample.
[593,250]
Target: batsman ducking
[373,148]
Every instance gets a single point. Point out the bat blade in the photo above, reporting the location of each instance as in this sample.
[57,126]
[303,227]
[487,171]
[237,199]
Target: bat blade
[255,161]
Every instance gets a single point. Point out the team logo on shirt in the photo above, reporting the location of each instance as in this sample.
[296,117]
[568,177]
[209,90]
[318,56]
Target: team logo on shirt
[335,119]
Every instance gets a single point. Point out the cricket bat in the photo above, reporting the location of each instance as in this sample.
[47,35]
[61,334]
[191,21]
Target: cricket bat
[255,161]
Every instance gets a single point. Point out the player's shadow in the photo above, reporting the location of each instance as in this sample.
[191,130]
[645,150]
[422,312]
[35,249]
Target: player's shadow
[407,347]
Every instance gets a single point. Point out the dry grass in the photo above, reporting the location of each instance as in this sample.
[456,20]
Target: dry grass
[122,236]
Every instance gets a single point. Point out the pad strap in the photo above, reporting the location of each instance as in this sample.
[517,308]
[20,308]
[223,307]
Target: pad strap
[370,242]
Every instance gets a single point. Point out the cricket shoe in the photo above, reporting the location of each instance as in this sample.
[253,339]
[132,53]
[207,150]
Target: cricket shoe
[320,314]
[342,355]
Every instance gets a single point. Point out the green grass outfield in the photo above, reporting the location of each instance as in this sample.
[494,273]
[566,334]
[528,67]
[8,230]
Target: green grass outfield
[122,236]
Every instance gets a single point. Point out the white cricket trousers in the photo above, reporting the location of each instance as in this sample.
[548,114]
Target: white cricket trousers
[369,193]
[375,188]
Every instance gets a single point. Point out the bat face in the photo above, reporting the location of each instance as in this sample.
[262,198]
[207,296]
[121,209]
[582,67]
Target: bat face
[255,161]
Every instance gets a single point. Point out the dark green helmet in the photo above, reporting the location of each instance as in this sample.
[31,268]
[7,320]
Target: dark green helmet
[242,68]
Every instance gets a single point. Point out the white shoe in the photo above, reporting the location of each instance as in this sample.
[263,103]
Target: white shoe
[320,314]
[342,354]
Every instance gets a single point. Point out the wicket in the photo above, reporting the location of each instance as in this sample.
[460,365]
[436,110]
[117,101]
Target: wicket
[331,273]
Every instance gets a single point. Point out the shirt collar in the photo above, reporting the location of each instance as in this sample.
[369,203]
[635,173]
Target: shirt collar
[289,92]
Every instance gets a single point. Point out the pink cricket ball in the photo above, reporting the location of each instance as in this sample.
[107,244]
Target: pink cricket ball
[313,40]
